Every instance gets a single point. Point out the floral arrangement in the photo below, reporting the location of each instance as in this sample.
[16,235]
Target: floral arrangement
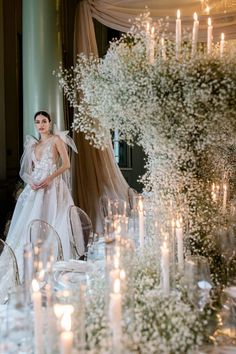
[150,321]
[180,109]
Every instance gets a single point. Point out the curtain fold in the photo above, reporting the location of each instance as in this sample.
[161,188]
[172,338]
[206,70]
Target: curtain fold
[116,14]
[95,172]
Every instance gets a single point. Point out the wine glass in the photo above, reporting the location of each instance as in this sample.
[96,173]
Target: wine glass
[198,281]
[226,241]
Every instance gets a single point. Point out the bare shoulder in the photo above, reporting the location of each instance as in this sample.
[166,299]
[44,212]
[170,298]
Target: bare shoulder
[57,140]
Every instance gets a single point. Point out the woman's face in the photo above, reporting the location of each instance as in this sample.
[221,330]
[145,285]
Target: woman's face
[42,124]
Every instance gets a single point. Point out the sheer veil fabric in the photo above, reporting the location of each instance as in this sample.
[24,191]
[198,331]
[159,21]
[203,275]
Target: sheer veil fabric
[50,204]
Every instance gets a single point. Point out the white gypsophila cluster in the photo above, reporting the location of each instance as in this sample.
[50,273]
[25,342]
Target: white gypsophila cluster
[150,322]
[182,111]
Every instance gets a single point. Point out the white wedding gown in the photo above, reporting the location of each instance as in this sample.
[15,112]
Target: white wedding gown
[49,204]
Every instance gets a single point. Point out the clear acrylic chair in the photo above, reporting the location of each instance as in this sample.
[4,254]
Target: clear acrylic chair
[40,231]
[81,230]
[9,272]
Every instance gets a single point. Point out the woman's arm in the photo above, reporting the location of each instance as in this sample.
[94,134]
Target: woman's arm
[61,148]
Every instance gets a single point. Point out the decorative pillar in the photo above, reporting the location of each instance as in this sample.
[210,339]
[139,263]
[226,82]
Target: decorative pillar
[41,55]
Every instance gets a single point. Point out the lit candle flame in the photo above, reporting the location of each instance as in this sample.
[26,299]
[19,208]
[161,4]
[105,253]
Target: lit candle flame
[222,36]
[195,16]
[35,285]
[66,321]
[209,21]
[178,14]
[140,205]
[122,274]
[178,223]
[117,286]
[60,310]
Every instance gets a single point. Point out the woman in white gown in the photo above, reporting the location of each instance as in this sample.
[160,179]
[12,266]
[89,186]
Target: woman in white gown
[45,168]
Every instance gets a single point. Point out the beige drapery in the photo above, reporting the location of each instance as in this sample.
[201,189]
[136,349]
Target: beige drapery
[116,14]
[95,172]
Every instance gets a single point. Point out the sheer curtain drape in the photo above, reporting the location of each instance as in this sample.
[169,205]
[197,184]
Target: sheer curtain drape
[116,14]
[96,172]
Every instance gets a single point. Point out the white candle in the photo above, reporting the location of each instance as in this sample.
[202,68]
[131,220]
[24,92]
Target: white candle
[165,266]
[125,208]
[195,33]
[217,191]
[66,337]
[151,46]
[109,213]
[115,314]
[209,36]
[123,225]
[178,33]
[180,246]
[141,223]
[38,318]
[222,44]
[163,49]
[224,197]
[117,227]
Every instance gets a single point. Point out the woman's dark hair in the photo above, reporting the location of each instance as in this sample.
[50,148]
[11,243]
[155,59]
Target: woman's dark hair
[43,113]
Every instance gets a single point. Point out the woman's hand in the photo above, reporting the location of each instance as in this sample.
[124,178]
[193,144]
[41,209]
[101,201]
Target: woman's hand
[34,186]
[45,182]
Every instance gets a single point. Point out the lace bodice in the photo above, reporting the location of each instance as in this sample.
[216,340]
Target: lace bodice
[46,165]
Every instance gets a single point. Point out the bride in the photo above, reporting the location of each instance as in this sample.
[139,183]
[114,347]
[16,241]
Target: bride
[45,170]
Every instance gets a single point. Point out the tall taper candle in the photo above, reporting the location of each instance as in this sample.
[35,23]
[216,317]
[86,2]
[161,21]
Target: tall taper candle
[222,44]
[165,269]
[163,49]
[141,223]
[224,197]
[38,317]
[195,33]
[115,315]
[178,34]
[180,247]
[209,36]
[66,337]
[152,46]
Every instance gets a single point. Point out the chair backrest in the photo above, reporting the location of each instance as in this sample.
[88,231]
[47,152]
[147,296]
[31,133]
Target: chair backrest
[9,272]
[40,232]
[81,229]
